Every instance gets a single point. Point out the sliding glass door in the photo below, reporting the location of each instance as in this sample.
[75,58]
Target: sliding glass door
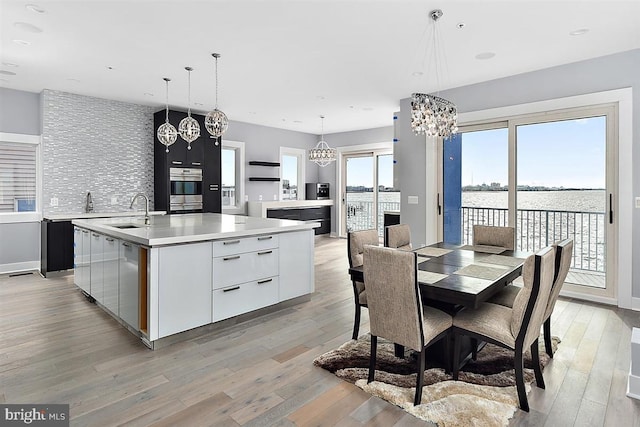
[548,175]
[367,190]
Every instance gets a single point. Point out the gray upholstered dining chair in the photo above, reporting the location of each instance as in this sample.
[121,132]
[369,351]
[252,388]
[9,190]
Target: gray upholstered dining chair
[513,328]
[489,235]
[507,296]
[356,240]
[398,236]
[396,312]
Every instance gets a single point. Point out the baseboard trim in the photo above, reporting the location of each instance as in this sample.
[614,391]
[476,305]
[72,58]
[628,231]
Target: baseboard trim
[592,298]
[17,267]
[635,304]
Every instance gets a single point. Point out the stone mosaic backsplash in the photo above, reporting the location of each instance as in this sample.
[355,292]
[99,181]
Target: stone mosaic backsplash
[94,145]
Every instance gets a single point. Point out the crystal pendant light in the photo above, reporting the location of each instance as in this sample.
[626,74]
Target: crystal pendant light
[216,121]
[189,128]
[432,115]
[167,133]
[322,154]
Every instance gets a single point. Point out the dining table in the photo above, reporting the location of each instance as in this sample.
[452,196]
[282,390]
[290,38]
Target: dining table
[458,277]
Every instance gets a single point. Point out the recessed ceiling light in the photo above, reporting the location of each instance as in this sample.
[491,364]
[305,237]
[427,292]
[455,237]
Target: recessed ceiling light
[320,97]
[367,109]
[109,67]
[252,112]
[579,32]
[22,42]
[9,64]
[485,55]
[297,121]
[25,26]
[351,106]
[34,8]
[417,73]
[73,80]
[7,73]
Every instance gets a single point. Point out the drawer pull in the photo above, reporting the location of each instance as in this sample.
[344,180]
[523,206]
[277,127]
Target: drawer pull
[229,258]
[231,289]
[109,239]
[265,238]
[260,282]
[196,163]
[126,244]
[95,234]
[231,242]
[265,252]
[175,162]
[85,231]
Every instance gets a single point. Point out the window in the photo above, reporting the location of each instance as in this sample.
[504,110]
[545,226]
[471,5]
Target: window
[19,185]
[292,173]
[232,177]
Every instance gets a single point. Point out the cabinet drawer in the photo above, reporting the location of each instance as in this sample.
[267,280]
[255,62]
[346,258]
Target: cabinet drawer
[238,299]
[245,244]
[245,267]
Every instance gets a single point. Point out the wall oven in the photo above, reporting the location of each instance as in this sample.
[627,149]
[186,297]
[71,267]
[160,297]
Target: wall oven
[186,190]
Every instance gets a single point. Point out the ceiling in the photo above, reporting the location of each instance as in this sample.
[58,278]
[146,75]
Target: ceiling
[285,63]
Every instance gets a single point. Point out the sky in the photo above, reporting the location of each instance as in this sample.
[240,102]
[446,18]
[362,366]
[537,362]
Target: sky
[568,153]
[360,171]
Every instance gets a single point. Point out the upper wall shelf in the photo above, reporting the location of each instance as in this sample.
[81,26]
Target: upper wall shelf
[259,163]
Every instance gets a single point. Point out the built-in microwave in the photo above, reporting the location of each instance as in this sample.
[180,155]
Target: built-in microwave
[317,191]
[185,190]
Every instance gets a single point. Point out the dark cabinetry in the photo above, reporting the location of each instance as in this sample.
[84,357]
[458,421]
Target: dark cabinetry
[320,214]
[204,153]
[56,246]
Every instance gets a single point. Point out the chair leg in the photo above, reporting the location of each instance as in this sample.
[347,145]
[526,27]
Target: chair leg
[456,356]
[356,323]
[535,358]
[547,337]
[519,367]
[420,378]
[474,348]
[372,358]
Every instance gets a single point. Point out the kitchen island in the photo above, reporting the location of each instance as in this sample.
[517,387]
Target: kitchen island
[182,272]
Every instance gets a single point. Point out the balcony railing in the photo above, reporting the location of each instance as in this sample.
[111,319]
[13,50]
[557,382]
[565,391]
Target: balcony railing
[535,228]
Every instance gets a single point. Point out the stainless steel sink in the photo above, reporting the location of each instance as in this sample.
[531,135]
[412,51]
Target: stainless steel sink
[125,226]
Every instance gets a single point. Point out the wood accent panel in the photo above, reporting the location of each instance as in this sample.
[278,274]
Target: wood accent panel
[144,296]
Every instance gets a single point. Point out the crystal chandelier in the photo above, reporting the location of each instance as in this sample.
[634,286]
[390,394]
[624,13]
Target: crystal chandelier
[189,128]
[167,133]
[430,114]
[322,154]
[216,121]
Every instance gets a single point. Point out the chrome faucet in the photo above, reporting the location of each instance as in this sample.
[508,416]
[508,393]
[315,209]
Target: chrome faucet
[147,220]
[88,207]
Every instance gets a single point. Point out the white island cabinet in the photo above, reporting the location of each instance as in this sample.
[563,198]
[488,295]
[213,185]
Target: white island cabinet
[181,272]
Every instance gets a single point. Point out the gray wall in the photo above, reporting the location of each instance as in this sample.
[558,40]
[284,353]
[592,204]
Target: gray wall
[19,113]
[263,143]
[595,75]
[94,145]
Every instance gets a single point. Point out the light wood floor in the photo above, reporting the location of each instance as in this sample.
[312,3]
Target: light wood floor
[55,347]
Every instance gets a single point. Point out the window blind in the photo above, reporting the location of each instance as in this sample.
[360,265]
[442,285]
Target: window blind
[17,177]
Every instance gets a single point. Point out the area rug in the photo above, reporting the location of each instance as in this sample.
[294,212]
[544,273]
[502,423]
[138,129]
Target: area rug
[484,395]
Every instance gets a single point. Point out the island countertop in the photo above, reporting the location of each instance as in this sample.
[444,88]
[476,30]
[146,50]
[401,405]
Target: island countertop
[187,228]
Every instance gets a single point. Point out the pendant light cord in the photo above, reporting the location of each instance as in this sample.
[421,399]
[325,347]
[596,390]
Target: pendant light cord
[167,100]
[216,107]
[189,96]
